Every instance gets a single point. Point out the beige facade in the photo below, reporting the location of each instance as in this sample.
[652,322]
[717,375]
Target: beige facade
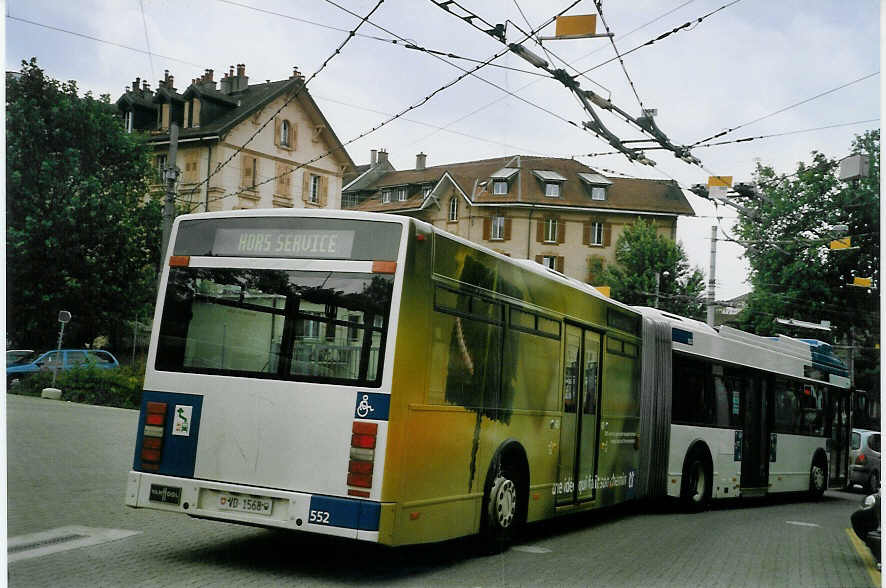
[567,228]
[243,146]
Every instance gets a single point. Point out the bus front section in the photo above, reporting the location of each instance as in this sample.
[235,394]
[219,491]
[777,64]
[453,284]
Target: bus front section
[266,399]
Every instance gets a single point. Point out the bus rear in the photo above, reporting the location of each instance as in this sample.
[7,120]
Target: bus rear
[267,385]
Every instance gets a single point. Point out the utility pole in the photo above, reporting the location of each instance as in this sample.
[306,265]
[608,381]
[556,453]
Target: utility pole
[170,174]
[712,278]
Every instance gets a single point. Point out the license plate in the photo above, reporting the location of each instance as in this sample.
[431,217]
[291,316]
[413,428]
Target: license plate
[250,504]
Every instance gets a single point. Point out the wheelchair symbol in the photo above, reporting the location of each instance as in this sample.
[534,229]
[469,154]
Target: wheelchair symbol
[363,409]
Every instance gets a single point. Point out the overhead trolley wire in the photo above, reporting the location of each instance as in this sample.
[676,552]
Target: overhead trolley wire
[675,30]
[780,110]
[383,123]
[286,102]
[599,5]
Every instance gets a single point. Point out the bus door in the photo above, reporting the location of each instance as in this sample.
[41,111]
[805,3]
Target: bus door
[580,423]
[756,444]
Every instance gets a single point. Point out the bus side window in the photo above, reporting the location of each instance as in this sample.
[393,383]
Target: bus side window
[785,406]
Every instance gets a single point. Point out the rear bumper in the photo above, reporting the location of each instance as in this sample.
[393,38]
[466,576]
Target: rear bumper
[298,511]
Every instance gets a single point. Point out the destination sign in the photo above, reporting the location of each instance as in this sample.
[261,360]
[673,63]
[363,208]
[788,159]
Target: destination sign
[323,244]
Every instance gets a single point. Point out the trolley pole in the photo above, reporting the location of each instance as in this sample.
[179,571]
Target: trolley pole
[712,279]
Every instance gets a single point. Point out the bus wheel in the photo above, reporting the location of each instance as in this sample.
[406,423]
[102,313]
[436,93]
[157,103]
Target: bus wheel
[698,479]
[817,480]
[501,510]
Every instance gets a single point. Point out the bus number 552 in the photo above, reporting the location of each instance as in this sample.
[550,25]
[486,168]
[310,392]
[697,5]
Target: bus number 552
[320,517]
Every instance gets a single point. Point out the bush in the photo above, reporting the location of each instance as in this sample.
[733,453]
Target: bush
[121,387]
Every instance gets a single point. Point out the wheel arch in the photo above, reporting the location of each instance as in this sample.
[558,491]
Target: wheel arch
[511,452]
[699,446]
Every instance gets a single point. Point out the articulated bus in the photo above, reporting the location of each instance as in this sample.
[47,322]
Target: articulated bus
[373,377]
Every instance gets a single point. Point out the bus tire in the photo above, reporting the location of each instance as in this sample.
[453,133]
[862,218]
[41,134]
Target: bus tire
[504,510]
[818,477]
[698,480]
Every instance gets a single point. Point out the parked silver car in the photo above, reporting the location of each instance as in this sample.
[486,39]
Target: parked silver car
[864,459]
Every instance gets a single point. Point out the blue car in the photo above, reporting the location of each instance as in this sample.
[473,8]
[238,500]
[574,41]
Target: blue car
[64,359]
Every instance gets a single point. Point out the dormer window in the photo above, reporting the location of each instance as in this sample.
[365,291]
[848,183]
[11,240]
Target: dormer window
[552,182]
[501,180]
[596,184]
[426,190]
[386,196]
[401,194]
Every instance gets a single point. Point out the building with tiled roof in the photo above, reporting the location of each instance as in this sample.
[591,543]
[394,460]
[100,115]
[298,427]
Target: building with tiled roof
[558,212]
[216,120]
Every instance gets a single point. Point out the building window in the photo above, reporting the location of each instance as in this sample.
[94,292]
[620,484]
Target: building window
[401,194]
[385,196]
[315,189]
[284,133]
[596,233]
[550,230]
[498,228]
[598,193]
[160,164]
[426,190]
[500,187]
[453,209]
[552,189]
[349,200]
[549,261]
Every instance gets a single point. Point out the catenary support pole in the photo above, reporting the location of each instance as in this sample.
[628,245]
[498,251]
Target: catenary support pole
[712,278]
[170,174]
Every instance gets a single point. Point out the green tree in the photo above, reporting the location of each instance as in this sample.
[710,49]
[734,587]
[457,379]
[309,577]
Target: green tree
[81,234]
[641,253]
[794,274]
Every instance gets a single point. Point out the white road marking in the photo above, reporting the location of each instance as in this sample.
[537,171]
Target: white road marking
[530,549]
[802,524]
[61,539]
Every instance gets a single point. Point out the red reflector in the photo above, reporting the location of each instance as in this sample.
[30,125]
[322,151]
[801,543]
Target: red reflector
[360,467]
[384,267]
[179,261]
[420,237]
[360,493]
[156,407]
[860,459]
[155,419]
[151,455]
[363,441]
[152,442]
[365,428]
[360,480]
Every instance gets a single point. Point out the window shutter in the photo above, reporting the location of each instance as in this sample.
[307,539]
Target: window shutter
[487,228]
[323,197]
[607,234]
[292,135]
[586,233]
[540,230]
[507,235]
[561,231]
[559,264]
[539,259]
[306,187]
[277,124]
[246,179]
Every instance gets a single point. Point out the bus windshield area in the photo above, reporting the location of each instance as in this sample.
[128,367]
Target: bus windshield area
[326,327]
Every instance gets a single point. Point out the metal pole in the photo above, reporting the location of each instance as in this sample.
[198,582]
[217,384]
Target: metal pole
[712,279]
[58,354]
[171,175]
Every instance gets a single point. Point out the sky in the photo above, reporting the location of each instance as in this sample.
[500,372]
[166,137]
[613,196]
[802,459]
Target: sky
[747,65]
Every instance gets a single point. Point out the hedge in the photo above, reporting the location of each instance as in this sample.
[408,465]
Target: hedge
[121,387]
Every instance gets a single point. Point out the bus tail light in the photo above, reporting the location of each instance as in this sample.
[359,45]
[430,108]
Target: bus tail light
[152,439]
[360,466]
[860,459]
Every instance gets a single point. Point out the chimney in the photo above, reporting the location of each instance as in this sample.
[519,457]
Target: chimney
[420,161]
[136,84]
[226,81]
[208,75]
[241,82]
[373,157]
[382,156]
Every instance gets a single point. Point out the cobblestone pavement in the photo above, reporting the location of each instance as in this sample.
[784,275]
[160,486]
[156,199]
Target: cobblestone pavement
[67,465]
